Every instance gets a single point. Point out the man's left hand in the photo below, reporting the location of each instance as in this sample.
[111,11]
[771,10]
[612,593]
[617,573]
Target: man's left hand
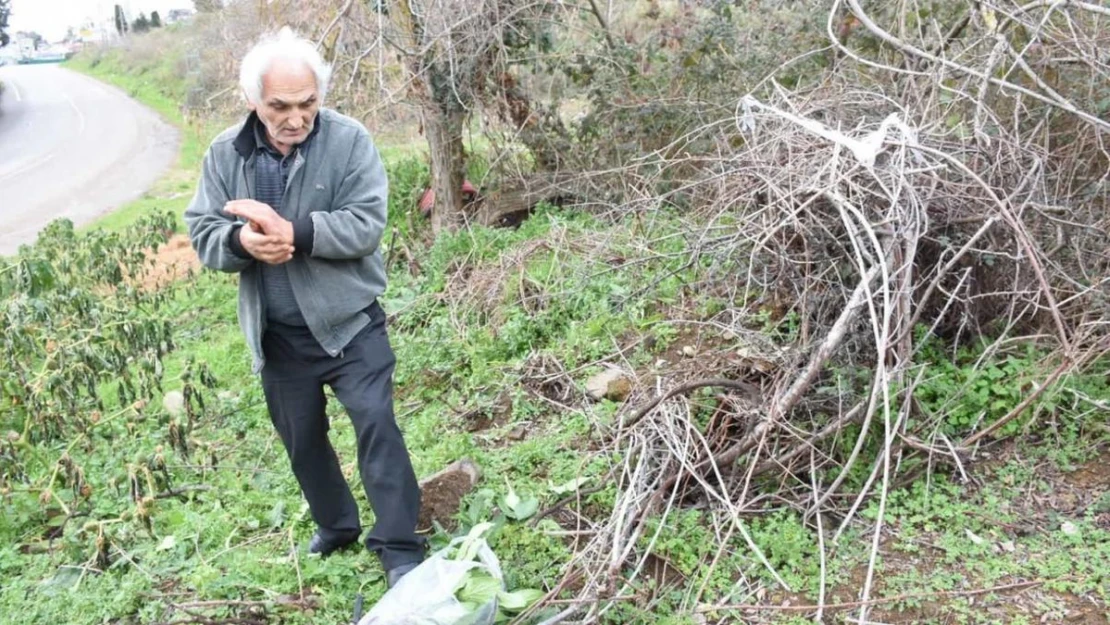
[262,217]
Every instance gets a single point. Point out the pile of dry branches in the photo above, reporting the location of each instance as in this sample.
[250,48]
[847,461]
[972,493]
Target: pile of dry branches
[943,189]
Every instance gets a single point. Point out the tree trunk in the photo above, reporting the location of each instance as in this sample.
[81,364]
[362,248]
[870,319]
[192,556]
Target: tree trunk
[445,140]
[443,115]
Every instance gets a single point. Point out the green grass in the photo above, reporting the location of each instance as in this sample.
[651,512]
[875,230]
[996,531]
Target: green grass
[232,540]
[474,310]
[153,85]
[950,538]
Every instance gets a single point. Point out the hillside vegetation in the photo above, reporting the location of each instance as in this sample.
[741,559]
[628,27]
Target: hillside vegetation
[800,317]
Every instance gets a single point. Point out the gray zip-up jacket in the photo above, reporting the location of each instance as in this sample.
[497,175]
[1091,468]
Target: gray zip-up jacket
[336,198]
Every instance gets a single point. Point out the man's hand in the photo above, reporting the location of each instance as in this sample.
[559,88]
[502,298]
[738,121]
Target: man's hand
[267,248]
[262,219]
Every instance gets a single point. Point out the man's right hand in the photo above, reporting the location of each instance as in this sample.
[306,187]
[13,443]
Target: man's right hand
[267,248]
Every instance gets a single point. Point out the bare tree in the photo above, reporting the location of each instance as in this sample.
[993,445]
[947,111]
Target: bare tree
[452,50]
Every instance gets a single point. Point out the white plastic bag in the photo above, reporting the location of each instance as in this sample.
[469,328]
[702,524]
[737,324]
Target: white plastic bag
[426,596]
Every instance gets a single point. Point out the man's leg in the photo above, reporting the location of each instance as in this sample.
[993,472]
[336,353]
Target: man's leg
[295,397]
[363,383]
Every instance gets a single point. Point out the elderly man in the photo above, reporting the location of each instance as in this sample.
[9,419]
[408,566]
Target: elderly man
[294,200]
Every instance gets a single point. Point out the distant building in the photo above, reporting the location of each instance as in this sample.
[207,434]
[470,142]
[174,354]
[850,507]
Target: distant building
[99,24]
[96,31]
[25,45]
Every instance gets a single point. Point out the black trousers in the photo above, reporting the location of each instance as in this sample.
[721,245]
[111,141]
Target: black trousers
[293,380]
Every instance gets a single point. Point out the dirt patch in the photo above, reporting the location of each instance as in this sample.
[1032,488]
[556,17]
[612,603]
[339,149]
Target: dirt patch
[545,376]
[1007,606]
[1081,610]
[1095,475]
[492,424]
[733,354]
[1007,600]
[685,346]
[440,501]
[662,572]
[1072,493]
[919,610]
[442,494]
[1091,487]
[175,260]
[497,414]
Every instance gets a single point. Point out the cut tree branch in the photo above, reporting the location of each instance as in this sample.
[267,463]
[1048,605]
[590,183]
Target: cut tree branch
[604,25]
[879,32]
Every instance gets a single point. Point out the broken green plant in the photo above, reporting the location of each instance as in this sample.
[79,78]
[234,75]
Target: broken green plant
[516,507]
[480,587]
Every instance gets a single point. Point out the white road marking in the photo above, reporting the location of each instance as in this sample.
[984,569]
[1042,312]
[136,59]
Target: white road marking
[80,115]
[133,146]
[42,160]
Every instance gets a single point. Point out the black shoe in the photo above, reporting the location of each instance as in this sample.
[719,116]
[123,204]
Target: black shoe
[325,548]
[395,574]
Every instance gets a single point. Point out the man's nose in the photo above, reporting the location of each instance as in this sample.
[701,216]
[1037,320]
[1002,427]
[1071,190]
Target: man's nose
[295,123]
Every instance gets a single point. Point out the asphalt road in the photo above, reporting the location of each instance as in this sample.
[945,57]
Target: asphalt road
[72,147]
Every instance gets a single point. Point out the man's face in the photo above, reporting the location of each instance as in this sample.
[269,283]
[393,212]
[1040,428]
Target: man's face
[289,103]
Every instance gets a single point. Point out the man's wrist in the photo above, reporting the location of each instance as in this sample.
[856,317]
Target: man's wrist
[236,243]
[303,234]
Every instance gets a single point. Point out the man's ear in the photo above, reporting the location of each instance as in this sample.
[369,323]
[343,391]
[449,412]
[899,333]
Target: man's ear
[250,105]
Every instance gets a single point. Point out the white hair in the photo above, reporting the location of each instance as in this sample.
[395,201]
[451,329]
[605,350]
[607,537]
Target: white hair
[285,45]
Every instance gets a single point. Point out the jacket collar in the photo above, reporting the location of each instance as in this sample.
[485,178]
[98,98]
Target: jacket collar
[246,142]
